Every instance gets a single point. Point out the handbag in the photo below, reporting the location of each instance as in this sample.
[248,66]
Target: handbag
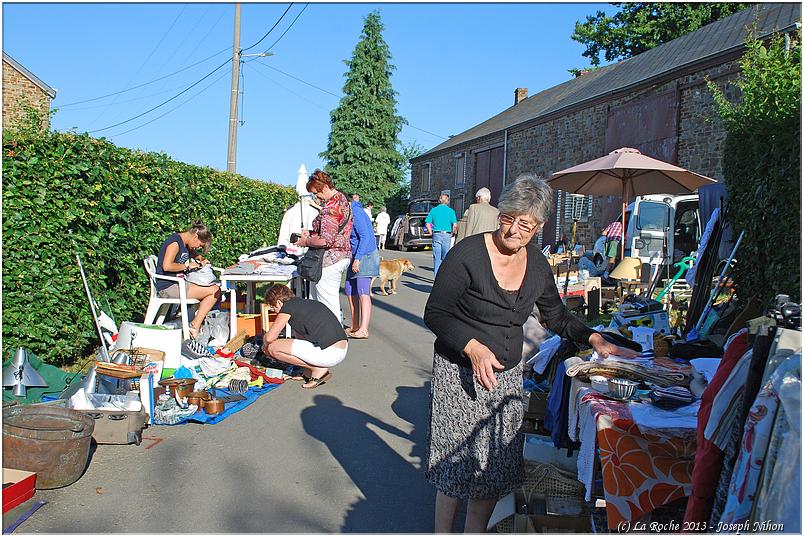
[311,264]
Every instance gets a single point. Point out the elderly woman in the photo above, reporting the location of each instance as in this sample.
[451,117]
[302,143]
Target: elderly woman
[331,230]
[178,254]
[482,295]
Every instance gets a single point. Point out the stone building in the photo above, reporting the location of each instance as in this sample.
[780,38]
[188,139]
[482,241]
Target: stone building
[657,102]
[22,89]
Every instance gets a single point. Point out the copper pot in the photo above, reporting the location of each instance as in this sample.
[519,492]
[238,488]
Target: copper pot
[198,398]
[213,406]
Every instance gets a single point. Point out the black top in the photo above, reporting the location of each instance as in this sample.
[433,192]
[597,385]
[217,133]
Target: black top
[314,322]
[181,256]
[467,302]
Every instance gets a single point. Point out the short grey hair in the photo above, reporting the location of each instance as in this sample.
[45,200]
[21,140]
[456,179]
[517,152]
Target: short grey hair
[529,194]
[484,194]
[382,209]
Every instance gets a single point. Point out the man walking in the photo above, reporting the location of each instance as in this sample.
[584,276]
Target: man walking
[481,215]
[442,223]
[382,221]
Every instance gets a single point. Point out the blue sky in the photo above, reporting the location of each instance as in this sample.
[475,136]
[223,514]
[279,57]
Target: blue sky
[456,65]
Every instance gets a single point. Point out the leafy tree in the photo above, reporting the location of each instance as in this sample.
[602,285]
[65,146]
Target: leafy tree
[640,26]
[762,166]
[362,151]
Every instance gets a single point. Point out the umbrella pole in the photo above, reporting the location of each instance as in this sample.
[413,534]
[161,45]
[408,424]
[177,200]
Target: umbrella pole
[622,239]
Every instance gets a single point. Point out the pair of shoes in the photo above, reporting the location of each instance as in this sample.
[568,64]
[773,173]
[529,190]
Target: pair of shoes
[357,334]
[194,350]
[318,381]
[193,332]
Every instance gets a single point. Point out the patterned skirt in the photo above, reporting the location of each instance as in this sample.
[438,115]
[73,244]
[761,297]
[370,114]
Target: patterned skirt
[474,443]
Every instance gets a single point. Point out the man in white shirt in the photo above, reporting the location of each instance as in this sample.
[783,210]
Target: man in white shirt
[382,221]
[368,208]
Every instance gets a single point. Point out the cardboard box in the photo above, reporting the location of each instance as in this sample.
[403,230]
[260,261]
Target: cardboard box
[21,489]
[250,322]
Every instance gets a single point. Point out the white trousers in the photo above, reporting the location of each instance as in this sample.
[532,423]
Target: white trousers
[327,290]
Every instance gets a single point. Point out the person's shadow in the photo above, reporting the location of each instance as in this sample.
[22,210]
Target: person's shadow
[396,494]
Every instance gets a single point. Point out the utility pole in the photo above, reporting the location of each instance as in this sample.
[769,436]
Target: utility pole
[233,100]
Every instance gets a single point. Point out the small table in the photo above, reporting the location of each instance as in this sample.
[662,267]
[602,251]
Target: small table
[251,281]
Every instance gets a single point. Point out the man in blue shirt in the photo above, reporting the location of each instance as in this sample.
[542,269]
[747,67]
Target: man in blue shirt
[442,223]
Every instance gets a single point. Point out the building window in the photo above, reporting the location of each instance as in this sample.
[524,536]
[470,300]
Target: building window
[426,185]
[460,168]
[578,207]
[458,205]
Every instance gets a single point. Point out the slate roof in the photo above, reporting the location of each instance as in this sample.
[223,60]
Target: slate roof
[715,39]
[32,77]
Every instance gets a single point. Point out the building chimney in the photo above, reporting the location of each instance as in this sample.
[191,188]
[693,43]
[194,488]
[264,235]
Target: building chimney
[520,94]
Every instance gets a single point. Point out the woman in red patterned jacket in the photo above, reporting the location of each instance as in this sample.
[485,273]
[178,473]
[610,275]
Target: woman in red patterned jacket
[331,230]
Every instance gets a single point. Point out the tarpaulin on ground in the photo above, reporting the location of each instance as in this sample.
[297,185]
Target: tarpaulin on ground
[251,395]
[57,380]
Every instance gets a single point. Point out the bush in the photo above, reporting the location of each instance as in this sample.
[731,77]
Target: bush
[762,167]
[120,204]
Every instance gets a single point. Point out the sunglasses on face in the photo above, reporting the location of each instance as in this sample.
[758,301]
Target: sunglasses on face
[524,225]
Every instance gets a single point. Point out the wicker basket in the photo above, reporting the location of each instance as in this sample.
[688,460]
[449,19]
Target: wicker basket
[543,480]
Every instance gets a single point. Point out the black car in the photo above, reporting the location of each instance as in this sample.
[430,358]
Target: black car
[408,230]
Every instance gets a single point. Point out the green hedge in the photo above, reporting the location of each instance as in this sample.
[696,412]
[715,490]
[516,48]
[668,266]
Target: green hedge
[762,167]
[121,204]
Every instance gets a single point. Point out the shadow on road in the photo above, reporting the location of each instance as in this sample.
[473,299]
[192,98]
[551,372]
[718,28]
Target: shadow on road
[392,488]
[419,287]
[414,317]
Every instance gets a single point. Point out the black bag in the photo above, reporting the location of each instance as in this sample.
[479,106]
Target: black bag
[311,264]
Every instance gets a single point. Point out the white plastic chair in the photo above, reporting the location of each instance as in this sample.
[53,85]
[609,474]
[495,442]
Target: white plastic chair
[156,303]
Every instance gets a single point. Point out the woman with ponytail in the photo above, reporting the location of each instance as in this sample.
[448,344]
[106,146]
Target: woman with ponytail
[179,254]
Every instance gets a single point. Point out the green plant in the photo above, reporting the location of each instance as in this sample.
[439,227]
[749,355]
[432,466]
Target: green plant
[120,204]
[640,26]
[762,166]
[362,151]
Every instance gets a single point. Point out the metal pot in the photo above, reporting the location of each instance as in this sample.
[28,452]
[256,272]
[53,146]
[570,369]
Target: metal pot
[214,406]
[51,441]
[198,398]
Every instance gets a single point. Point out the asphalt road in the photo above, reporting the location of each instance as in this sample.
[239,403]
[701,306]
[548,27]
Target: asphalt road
[345,457]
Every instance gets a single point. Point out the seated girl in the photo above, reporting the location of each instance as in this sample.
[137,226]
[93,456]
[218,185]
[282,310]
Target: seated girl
[179,253]
[320,342]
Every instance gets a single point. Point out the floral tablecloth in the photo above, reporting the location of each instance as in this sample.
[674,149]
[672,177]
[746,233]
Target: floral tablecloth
[641,471]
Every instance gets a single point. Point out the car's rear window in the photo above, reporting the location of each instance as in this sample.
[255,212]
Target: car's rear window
[421,206]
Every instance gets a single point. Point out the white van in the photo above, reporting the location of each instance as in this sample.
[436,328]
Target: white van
[663,225]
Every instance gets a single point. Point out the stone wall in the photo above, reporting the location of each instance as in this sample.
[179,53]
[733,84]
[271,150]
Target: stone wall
[579,136]
[19,92]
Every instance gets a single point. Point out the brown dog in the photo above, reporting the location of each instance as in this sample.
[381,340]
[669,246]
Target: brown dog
[391,270]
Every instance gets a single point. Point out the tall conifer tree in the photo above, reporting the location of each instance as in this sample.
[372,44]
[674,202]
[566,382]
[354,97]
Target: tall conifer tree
[362,151]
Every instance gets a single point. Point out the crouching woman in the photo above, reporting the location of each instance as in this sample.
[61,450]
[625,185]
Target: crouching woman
[319,343]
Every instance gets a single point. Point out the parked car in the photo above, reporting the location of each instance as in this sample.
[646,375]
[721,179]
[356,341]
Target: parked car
[408,230]
[665,225]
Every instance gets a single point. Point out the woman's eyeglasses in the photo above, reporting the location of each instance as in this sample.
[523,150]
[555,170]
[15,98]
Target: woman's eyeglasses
[524,225]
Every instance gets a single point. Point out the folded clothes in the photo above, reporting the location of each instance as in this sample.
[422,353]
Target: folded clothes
[662,372]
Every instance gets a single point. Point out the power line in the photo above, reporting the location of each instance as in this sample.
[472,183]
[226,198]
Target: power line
[298,79]
[288,28]
[269,31]
[158,44]
[147,83]
[338,96]
[172,109]
[164,102]
[290,90]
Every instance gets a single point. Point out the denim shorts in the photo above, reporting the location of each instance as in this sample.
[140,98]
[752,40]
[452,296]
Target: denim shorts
[369,266]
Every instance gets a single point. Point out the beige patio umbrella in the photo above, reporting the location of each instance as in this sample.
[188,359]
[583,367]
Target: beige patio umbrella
[629,173]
